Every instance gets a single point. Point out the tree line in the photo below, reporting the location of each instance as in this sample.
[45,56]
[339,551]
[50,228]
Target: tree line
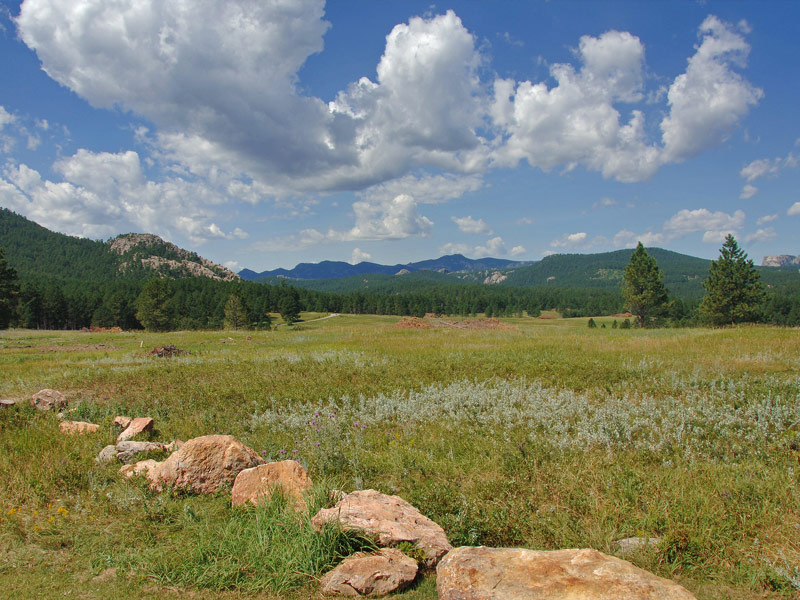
[200,303]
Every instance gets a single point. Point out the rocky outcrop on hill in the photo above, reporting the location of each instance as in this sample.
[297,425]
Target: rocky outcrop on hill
[780,260]
[151,252]
[479,573]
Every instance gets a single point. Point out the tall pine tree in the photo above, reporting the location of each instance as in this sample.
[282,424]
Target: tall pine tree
[734,292]
[8,291]
[643,287]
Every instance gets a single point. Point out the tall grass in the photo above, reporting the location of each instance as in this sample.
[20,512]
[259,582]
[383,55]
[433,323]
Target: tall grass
[548,436]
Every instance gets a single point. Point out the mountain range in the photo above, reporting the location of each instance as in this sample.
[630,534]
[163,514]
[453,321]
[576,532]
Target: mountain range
[37,253]
[328,269]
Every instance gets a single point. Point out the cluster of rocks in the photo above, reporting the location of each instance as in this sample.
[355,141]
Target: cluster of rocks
[204,464]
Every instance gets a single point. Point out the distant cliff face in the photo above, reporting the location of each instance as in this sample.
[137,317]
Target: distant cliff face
[151,252]
[780,260]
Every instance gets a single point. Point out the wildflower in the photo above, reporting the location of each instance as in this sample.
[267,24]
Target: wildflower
[356,424]
[294,451]
[36,528]
[263,453]
[316,414]
[283,451]
[317,443]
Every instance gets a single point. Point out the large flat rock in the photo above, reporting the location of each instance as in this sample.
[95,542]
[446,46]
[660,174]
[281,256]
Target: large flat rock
[370,574]
[258,483]
[389,520]
[479,573]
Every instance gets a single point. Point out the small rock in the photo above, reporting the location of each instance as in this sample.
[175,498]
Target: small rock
[148,468]
[634,543]
[7,403]
[106,455]
[201,465]
[109,574]
[122,422]
[389,520]
[135,427]
[257,483]
[480,573]
[128,451]
[173,445]
[77,427]
[370,574]
[48,400]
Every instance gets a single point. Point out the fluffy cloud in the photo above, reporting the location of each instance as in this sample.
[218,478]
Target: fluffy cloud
[426,189]
[5,117]
[764,167]
[219,80]
[359,256]
[710,98]
[748,191]
[575,122]
[629,239]
[102,193]
[570,240]
[517,250]
[766,219]
[469,225]
[716,225]
[794,210]
[494,247]
[394,219]
[453,248]
[762,235]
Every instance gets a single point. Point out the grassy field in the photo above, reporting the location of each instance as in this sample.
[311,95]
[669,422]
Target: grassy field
[545,435]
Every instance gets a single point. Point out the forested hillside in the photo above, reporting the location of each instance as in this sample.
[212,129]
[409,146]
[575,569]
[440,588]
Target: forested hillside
[67,282]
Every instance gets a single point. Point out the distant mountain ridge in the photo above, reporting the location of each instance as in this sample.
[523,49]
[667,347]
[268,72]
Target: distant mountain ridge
[328,269]
[36,252]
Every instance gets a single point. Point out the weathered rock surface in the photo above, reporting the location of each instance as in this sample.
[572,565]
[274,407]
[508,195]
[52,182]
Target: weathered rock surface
[370,574]
[135,427]
[634,543]
[201,465]
[257,483]
[77,427]
[123,422]
[478,573]
[148,468]
[389,520]
[48,400]
[107,454]
[7,402]
[128,451]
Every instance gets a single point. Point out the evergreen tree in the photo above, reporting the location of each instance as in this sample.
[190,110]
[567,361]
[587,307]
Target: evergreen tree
[643,287]
[152,305]
[289,305]
[8,291]
[735,294]
[235,313]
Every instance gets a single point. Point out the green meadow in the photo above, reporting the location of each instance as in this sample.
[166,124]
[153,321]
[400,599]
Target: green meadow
[545,434]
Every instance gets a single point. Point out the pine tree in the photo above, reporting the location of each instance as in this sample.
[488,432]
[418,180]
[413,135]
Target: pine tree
[235,313]
[152,305]
[643,287]
[734,292]
[8,291]
[289,305]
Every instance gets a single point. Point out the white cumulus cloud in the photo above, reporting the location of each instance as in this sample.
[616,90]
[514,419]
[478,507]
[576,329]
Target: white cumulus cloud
[469,225]
[715,224]
[794,210]
[762,235]
[359,256]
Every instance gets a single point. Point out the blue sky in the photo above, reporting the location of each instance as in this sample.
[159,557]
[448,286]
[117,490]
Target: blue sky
[263,134]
